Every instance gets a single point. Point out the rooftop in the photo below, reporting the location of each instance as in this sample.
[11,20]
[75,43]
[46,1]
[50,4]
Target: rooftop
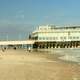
[57,27]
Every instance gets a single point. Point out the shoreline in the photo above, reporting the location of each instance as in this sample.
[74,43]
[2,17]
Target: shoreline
[56,57]
[42,53]
[62,57]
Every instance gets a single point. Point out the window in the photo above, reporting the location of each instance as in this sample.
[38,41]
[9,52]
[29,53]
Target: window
[53,38]
[70,37]
[74,37]
[64,37]
[46,38]
[50,38]
[40,38]
[43,38]
[61,37]
[56,37]
[77,37]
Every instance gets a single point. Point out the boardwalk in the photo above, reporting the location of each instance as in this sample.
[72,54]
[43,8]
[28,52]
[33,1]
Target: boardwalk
[16,42]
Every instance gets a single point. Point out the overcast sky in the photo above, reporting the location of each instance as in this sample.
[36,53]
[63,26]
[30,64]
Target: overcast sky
[19,17]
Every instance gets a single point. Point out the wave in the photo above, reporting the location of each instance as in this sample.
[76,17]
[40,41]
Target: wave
[70,58]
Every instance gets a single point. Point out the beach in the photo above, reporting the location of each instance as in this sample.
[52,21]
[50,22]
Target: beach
[20,64]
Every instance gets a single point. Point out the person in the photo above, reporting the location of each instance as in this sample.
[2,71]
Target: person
[14,48]
[29,49]
[2,49]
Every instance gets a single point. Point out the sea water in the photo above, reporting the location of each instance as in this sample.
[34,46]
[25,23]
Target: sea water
[69,54]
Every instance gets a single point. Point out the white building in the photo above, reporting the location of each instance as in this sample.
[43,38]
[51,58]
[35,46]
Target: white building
[57,36]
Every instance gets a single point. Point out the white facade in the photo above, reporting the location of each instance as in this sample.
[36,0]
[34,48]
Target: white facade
[60,34]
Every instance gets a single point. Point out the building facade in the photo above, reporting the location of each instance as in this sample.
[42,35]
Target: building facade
[51,36]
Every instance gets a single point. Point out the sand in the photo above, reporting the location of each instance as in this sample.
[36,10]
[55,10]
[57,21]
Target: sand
[22,65]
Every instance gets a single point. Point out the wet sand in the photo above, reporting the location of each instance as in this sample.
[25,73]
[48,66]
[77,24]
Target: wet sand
[22,65]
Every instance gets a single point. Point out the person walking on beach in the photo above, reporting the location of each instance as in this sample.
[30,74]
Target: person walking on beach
[29,49]
[3,49]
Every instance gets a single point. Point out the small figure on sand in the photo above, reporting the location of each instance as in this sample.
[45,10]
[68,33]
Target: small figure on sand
[14,48]
[3,49]
[29,49]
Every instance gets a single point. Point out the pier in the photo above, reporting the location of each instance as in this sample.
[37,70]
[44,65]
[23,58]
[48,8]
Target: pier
[17,44]
[50,36]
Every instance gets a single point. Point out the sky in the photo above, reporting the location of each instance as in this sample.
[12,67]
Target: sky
[18,18]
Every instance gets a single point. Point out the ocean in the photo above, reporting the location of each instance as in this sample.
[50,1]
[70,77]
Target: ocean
[68,54]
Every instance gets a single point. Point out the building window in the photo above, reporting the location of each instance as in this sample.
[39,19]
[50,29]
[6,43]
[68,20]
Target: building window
[40,38]
[56,37]
[50,38]
[53,38]
[69,33]
[64,37]
[74,37]
[36,38]
[46,38]
[61,37]
[43,38]
[70,37]
[77,37]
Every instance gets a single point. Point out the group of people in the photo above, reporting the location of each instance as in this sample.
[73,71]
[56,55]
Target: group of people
[4,48]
